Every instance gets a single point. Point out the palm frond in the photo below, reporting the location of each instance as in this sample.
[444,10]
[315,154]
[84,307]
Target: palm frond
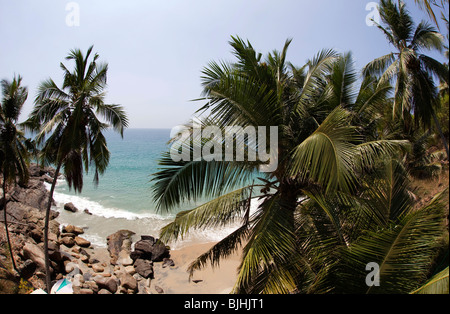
[403,251]
[271,244]
[439,284]
[327,156]
[220,211]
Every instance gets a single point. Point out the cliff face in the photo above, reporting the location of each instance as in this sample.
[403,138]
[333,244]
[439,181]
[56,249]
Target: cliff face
[26,213]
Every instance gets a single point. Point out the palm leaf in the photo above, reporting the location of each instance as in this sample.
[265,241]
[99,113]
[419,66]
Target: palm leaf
[439,284]
[270,246]
[403,252]
[220,211]
[327,156]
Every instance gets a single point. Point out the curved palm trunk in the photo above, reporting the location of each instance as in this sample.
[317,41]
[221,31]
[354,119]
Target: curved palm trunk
[47,218]
[5,218]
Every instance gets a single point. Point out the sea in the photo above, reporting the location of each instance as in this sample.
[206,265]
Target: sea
[123,198]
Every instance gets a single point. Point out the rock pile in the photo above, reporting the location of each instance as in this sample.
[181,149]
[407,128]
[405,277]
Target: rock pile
[126,271]
[119,268]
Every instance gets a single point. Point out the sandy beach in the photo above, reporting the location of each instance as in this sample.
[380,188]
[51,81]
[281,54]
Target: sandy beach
[175,280]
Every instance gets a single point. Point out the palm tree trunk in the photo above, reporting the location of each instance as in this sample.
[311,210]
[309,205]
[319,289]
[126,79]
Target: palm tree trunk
[47,218]
[5,218]
[438,126]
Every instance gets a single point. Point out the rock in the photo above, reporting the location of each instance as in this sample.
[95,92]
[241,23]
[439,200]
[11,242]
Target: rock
[37,235]
[149,249]
[35,253]
[130,269]
[148,237]
[73,229]
[91,285]
[34,194]
[128,282]
[86,211]
[97,268]
[144,247]
[124,259]
[168,262]
[159,251]
[27,269]
[78,280]
[68,241]
[104,291]
[117,242]
[82,242]
[54,252]
[72,268]
[144,268]
[159,289]
[70,207]
[107,283]
[86,291]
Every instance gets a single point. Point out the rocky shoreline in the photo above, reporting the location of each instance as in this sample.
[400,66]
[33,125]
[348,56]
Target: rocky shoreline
[123,267]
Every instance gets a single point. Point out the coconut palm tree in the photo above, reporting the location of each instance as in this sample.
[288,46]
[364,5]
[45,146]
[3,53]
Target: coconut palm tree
[319,151]
[13,151]
[67,119]
[413,72]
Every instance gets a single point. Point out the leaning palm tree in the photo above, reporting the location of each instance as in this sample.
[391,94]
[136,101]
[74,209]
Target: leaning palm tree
[413,72]
[13,151]
[67,120]
[318,148]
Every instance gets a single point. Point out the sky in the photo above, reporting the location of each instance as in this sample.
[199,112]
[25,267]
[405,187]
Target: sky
[156,49]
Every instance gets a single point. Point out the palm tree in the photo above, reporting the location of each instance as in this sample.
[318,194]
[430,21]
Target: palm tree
[319,151]
[413,71]
[13,151]
[67,119]
[427,6]
[382,224]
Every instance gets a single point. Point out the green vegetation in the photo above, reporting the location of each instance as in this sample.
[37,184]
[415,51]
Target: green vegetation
[351,150]
[67,124]
[13,145]
[362,154]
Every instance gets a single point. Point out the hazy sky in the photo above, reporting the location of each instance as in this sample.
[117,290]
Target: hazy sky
[156,49]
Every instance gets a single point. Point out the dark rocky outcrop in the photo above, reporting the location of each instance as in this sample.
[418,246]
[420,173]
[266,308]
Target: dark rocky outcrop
[151,249]
[114,270]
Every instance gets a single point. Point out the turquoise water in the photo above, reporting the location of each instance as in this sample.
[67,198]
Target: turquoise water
[123,198]
[126,183]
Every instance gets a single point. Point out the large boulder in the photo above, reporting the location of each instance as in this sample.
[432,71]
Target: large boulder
[144,268]
[128,282]
[73,229]
[33,194]
[150,249]
[35,253]
[82,242]
[119,245]
[108,283]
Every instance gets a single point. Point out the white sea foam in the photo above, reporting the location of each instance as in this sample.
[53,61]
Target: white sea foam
[96,208]
[105,221]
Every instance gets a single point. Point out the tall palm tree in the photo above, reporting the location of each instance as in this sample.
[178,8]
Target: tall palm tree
[319,150]
[67,119]
[13,151]
[413,72]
